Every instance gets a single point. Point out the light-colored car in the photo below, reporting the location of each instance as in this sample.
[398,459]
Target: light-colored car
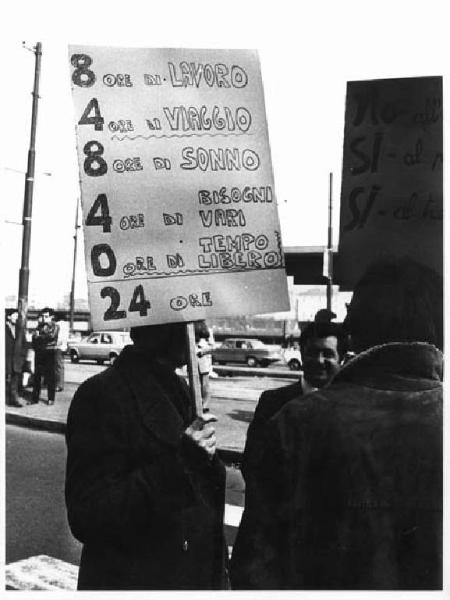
[100,346]
[251,352]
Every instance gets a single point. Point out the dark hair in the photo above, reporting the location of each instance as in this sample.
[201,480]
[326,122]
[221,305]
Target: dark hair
[396,301]
[48,310]
[323,329]
[10,311]
[158,337]
[324,315]
[201,330]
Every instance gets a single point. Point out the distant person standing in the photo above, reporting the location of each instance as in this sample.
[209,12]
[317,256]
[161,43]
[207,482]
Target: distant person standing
[13,360]
[204,349]
[44,341]
[61,348]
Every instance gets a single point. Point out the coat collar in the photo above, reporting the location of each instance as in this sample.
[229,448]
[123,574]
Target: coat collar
[397,365]
[152,383]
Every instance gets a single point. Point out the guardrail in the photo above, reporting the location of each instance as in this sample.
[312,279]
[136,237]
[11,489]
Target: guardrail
[256,371]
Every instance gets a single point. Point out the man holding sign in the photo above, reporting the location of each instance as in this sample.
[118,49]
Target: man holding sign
[145,489]
[180,224]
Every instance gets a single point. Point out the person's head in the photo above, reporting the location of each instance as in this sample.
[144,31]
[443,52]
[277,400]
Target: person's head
[323,346]
[167,342]
[324,315]
[47,314]
[201,330]
[396,301]
[12,314]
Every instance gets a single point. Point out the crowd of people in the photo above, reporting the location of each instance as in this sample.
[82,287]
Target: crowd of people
[343,469]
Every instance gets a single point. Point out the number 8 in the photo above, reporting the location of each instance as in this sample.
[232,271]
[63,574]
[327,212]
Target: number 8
[94,164]
[82,75]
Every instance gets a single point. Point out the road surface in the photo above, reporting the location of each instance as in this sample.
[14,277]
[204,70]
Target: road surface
[35,510]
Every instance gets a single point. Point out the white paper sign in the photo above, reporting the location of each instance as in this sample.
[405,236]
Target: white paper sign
[179,209]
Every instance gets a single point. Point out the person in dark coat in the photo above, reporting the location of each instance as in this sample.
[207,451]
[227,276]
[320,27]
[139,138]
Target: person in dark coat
[44,342]
[323,346]
[348,492]
[145,489]
[14,359]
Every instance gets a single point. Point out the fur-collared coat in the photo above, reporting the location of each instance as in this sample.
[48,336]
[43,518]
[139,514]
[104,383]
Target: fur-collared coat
[146,503]
[348,492]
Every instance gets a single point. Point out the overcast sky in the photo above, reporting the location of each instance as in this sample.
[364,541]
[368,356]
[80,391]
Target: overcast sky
[307,56]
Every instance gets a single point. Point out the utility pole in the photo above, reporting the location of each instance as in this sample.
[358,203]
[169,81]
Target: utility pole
[72,289]
[330,246]
[24,273]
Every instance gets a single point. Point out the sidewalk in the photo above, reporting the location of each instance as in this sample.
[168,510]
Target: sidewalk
[233,402]
[41,416]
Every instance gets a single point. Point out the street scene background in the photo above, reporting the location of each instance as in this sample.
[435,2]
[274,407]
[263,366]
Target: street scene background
[307,54]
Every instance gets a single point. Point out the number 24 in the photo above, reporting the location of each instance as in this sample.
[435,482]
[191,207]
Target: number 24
[138,303]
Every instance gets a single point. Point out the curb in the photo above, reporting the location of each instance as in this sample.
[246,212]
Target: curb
[229,456]
[33,423]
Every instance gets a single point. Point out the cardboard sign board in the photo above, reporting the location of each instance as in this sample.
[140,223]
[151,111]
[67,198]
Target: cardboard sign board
[392,183]
[179,210]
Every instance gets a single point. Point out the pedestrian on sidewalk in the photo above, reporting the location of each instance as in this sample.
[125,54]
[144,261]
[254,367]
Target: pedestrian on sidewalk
[14,359]
[145,489]
[204,359]
[44,341]
[61,348]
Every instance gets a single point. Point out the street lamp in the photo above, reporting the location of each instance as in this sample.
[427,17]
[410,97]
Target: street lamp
[24,273]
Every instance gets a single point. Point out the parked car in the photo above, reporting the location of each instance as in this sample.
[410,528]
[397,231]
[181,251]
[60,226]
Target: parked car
[292,358]
[252,352]
[100,346]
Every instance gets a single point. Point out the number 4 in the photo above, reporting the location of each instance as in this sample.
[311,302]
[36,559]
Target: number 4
[139,303]
[101,204]
[96,119]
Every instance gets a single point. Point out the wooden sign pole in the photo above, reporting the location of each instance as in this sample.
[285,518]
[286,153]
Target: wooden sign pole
[192,368]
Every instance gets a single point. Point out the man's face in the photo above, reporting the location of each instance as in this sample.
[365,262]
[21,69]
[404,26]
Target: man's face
[46,318]
[321,360]
[13,318]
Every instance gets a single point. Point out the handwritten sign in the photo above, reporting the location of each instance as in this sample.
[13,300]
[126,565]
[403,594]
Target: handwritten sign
[392,186]
[179,208]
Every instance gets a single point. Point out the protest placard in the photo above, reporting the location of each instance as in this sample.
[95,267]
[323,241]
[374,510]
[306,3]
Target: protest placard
[392,183]
[179,209]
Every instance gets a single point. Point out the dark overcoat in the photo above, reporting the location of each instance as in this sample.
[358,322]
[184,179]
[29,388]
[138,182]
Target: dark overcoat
[348,491]
[14,354]
[269,403]
[146,503]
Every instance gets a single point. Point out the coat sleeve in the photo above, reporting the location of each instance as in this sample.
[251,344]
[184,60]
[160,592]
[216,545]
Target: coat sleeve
[257,560]
[255,441]
[109,494]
